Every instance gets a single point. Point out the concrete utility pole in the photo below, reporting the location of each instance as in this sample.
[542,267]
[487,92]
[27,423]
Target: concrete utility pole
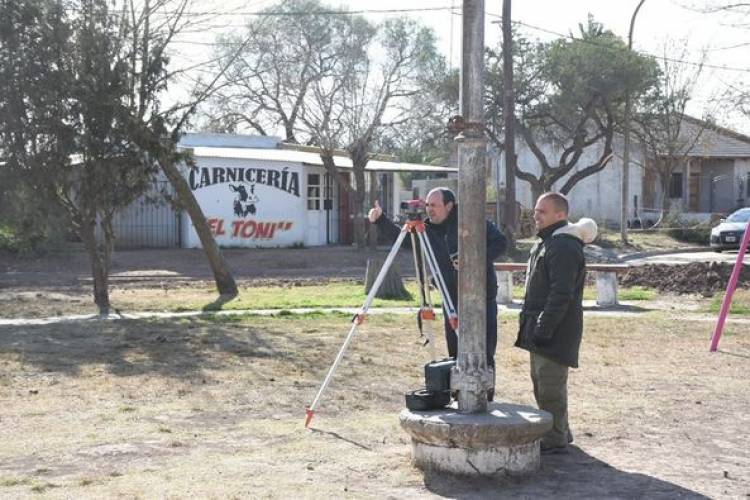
[509,119]
[471,376]
[474,441]
[626,146]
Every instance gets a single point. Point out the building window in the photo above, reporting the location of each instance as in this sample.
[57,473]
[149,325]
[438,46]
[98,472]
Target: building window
[313,191]
[675,185]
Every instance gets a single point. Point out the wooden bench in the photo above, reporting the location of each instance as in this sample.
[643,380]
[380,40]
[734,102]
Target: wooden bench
[606,281]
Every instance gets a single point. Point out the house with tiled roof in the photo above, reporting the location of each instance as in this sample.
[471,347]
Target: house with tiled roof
[712,176]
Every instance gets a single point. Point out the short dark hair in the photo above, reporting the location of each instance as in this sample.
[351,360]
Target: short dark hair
[558,200]
[446,193]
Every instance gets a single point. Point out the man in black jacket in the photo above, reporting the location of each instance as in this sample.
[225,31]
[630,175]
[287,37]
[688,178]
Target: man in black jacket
[441,228]
[551,321]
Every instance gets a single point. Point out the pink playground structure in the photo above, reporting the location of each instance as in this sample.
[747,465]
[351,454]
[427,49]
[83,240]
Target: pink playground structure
[731,287]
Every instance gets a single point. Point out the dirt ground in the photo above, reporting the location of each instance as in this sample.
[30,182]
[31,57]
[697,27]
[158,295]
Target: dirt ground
[61,284]
[705,278]
[214,407]
[155,267]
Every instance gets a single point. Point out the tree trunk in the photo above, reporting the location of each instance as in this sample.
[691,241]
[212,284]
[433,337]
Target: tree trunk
[665,201]
[222,275]
[537,189]
[359,202]
[372,234]
[392,286]
[98,270]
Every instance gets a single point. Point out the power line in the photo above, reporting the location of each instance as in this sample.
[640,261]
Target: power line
[729,47]
[670,59]
[268,13]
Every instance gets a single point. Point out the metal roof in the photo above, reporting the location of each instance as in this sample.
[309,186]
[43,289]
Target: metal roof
[203,139]
[714,141]
[309,158]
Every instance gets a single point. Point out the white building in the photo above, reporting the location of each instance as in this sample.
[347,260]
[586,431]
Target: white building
[714,178]
[257,192]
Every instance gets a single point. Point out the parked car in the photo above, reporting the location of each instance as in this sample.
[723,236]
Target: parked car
[728,234]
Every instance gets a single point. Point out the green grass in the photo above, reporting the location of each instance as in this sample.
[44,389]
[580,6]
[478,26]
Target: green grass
[43,487]
[330,295]
[589,293]
[740,303]
[636,293]
[642,240]
[349,295]
[9,483]
[7,239]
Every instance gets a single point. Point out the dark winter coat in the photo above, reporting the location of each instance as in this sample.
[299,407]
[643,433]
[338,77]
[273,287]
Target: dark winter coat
[444,241]
[551,321]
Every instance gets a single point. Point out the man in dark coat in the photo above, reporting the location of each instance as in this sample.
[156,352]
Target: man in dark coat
[551,321]
[441,228]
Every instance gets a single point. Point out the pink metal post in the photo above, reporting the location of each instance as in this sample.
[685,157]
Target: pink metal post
[731,287]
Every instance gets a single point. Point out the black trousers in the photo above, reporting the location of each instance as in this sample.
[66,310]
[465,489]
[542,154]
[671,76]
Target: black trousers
[452,339]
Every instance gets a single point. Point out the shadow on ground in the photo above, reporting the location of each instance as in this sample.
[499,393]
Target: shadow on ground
[177,349]
[619,308]
[571,475]
[627,308]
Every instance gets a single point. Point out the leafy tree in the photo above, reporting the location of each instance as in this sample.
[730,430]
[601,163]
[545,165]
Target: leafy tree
[371,98]
[666,134]
[569,92]
[150,29]
[425,137]
[27,40]
[333,81]
[265,86]
[82,117]
[739,12]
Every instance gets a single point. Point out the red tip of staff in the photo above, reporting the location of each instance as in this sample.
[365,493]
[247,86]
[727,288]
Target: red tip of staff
[453,322]
[309,417]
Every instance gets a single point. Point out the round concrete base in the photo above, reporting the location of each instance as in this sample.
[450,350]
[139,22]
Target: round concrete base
[503,441]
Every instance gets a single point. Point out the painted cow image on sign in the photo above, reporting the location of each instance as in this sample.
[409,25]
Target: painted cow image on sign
[244,202]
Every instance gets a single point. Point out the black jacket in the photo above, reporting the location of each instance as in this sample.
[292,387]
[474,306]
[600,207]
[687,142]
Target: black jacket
[551,322]
[444,240]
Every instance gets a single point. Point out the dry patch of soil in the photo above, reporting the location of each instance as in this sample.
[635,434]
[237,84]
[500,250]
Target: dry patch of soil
[705,278]
[215,408]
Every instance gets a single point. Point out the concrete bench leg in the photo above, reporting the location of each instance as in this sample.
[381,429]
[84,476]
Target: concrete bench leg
[504,287]
[606,288]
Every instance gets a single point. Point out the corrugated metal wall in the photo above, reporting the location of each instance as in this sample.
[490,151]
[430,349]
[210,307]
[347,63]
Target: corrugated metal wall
[149,222]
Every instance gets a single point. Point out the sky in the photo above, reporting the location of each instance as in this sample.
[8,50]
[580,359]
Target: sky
[660,24]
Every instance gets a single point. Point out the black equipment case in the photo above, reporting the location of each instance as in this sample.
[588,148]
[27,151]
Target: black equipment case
[437,375]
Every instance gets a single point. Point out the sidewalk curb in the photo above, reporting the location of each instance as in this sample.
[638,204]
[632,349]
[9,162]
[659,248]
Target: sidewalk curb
[590,309]
[625,257]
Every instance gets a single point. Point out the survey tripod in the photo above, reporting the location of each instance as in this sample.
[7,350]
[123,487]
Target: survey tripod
[415,228]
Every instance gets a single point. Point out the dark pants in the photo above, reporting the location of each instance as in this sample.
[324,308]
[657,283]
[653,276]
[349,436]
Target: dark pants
[550,381]
[452,340]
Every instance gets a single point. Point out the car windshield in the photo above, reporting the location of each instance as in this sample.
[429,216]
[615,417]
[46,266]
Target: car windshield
[739,216]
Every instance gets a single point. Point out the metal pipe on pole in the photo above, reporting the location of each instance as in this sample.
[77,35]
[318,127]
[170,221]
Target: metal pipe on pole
[471,377]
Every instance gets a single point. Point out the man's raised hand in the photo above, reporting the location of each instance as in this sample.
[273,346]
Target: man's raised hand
[375,212]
